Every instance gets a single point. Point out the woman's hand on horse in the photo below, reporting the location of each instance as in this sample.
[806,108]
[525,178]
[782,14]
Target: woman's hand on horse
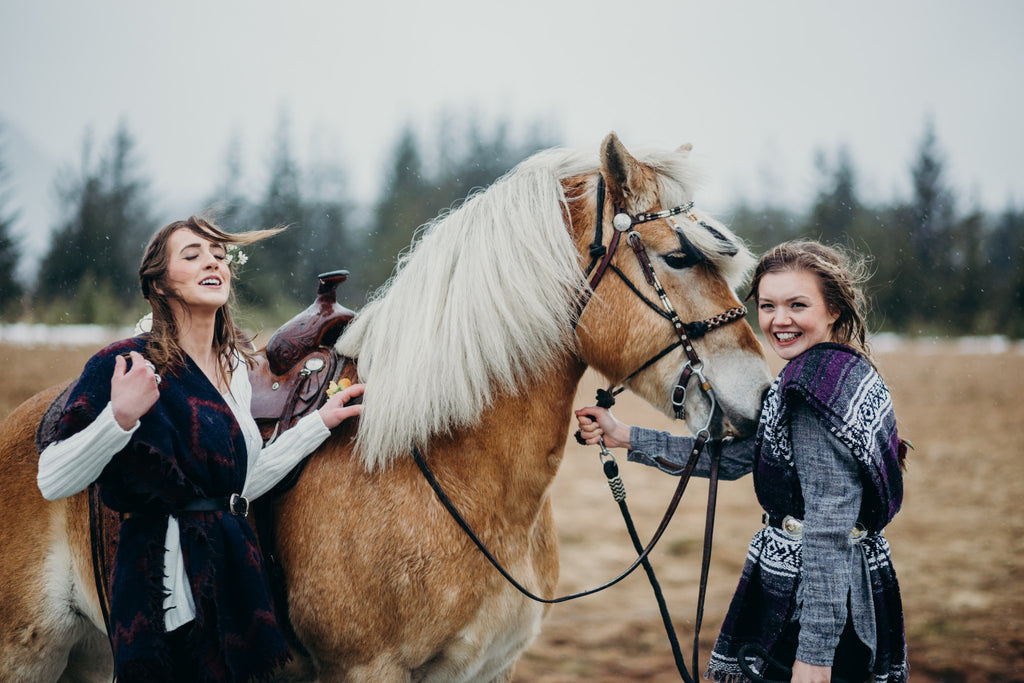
[334,412]
[597,423]
[133,392]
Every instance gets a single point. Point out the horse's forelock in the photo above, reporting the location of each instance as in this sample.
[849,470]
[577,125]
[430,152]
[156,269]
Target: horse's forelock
[730,255]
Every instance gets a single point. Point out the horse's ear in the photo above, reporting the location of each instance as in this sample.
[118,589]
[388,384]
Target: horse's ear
[621,171]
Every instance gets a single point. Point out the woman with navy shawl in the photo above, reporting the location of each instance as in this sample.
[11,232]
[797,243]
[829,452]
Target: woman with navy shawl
[161,421]
[818,593]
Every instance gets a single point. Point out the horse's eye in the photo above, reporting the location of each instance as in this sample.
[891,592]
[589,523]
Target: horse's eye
[677,260]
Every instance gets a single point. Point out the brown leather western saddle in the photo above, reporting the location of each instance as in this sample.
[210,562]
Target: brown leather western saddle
[291,376]
[289,381]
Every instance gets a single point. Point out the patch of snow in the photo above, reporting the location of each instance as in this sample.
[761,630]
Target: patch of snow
[31,334]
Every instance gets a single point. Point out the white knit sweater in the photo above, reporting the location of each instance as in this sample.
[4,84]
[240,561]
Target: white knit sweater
[69,466]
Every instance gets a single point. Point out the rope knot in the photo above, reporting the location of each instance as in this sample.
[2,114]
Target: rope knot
[605,399]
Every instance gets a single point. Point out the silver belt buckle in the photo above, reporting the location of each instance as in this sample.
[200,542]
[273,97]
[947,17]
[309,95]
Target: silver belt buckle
[793,526]
[238,505]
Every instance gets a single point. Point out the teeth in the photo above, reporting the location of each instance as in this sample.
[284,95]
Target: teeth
[210,281]
[786,336]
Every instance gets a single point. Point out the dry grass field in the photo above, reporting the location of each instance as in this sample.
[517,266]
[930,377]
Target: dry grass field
[958,544]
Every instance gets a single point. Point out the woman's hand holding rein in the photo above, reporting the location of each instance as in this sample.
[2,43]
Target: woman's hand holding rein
[597,423]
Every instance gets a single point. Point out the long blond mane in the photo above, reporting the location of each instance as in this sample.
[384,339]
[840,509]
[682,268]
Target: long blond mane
[482,302]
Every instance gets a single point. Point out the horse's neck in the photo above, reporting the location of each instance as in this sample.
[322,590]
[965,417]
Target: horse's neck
[517,448]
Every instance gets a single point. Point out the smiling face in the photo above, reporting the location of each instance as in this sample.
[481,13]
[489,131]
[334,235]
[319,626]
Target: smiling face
[197,272]
[792,312]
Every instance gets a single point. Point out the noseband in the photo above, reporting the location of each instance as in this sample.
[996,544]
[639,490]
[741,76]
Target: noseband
[685,332]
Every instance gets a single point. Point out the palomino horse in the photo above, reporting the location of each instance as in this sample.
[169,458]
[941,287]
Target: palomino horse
[471,354]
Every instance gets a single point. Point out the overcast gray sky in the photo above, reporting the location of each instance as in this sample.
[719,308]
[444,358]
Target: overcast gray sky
[757,87]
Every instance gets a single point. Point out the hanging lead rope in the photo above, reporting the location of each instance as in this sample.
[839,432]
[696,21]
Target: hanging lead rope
[606,399]
[611,471]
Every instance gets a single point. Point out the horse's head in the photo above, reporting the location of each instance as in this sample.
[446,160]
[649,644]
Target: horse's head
[665,316]
[483,306]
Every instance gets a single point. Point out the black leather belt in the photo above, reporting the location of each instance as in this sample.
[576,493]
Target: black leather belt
[235,504]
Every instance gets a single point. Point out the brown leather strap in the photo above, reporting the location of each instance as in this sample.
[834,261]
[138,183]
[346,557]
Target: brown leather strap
[684,479]
[98,537]
[705,562]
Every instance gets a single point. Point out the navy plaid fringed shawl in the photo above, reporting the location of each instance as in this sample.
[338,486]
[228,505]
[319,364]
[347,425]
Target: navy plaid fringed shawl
[187,446]
[846,391]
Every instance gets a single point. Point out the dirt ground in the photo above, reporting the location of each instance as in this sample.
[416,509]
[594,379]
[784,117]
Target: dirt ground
[958,544]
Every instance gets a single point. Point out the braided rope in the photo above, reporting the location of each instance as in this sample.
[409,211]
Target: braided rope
[618,489]
[725,317]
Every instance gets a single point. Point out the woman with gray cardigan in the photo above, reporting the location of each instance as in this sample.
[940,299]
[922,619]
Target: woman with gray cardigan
[818,591]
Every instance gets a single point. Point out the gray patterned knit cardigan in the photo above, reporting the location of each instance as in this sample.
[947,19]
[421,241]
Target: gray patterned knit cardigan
[848,394]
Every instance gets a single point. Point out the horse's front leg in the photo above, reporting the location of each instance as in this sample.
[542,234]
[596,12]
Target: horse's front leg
[51,628]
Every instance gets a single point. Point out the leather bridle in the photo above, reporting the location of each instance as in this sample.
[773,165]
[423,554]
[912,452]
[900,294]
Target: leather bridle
[686,332]
[601,257]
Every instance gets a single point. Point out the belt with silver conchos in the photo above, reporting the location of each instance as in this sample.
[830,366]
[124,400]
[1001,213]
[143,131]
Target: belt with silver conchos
[795,527]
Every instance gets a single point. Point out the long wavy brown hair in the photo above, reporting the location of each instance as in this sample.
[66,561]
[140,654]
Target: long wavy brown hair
[163,348]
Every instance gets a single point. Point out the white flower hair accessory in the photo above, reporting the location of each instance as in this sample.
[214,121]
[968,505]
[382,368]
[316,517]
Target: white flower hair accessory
[235,255]
[145,324]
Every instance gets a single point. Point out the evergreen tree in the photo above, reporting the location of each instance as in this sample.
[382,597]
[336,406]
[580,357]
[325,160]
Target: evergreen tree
[272,276]
[921,234]
[402,207]
[891,299]
[326,243]
[228,205]
[837,208]
[932,215]
[931,204]
[1003,255]
[467,159]
[98,244]
[964,263]
[764,226]
[129,213]
[11,290]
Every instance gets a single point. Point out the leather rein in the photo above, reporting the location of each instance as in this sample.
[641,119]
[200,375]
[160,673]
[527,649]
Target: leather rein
[600,264]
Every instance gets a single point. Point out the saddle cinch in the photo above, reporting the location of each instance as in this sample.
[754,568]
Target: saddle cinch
[291,377]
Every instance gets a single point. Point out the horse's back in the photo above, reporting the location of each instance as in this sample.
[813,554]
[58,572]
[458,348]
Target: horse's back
[48,608]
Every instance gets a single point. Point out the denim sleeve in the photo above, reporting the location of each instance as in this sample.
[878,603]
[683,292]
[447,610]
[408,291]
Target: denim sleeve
[832,492]
[669,454]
